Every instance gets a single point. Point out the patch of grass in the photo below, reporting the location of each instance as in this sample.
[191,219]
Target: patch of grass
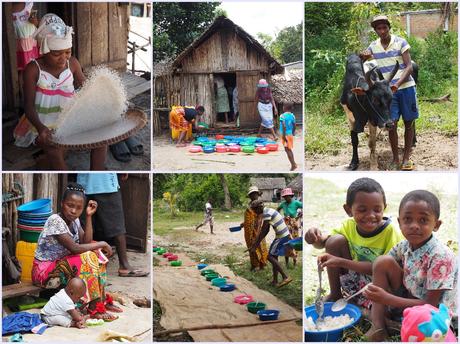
[164,223]
[291,294]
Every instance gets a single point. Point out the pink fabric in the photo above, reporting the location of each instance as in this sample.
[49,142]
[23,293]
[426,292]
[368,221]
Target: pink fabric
[414,316]
[41,270]
[26,51]
[55,92]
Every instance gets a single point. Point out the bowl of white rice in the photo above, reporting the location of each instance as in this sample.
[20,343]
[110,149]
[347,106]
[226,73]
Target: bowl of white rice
[332,324]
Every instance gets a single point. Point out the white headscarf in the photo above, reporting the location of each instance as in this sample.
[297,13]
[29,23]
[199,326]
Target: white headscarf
[53,34]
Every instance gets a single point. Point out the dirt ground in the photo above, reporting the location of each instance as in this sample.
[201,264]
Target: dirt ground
[433,152]
[79,160]
[169,158]
[133,321]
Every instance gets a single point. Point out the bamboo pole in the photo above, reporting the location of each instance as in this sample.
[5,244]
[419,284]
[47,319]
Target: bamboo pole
[217,326]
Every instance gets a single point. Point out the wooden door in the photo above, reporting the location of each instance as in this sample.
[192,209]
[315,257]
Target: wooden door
[246,82]
[136,206]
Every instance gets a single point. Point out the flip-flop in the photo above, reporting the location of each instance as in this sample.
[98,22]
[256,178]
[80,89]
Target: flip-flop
[107,317]
[113,308]
[285,282]
[121,152]
[134,146]
[133,273]
[408,166]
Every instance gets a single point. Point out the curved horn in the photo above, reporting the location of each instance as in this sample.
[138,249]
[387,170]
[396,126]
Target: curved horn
[368,78]
[393,72]
[380,74]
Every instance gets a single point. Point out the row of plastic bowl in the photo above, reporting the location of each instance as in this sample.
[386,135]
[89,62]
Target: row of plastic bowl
[233,144]
[32,217]
[171,257]
[252,306]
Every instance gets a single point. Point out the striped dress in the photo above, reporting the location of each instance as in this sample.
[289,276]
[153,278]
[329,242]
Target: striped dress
[51,95]
[26,46]
[386,58]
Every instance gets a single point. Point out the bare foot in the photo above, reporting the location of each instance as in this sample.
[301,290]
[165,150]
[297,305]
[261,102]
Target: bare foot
[180,145]
[113,308]
[273,283]
[294,167]
[376,334]
[284,282]
[107,317]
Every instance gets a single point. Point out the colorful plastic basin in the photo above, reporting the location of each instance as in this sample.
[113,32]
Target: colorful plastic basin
[272,147]
[167,254]
[173,257]
[207,271]
[235,229]
[221,149]
[227,287]
[201,266]
[235,149]
[248,149]
[202,139]
[203,125]
[219,281]
[268,314]
[220,137]
[262,150]
[30,228]
[176,263]
[254,307]
[161,252]
[155,249]
[296,244]
[29,236]
[42,205]
[243,299]
[208,149]
[334,335]
[210,277]
[195,149]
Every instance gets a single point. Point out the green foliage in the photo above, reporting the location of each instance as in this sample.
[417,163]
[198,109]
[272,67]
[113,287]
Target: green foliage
[288,44]
[170,199]
[177,24]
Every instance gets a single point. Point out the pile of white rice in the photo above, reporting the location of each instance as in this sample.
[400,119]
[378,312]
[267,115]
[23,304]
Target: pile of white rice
[328,323]
[100,102]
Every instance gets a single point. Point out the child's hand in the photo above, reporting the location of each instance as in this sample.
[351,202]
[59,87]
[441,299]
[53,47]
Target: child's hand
[44,137]
[91,208]
[107,249]
[80,324]
[327,259]
[376,294]
[313,236]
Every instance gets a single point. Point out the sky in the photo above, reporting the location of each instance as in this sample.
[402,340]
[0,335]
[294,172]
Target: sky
[396,181]
[266,17]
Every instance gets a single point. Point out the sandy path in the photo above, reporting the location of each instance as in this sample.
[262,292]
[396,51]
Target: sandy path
[168,158]
[434,152]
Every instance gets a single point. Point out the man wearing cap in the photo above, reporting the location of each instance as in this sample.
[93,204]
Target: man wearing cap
[290,208]
[251,225]
[387,50]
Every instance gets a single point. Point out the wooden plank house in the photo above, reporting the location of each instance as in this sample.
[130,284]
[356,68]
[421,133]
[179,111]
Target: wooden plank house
[223,50]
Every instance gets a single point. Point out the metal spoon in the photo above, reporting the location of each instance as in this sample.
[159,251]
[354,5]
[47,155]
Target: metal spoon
[319,303]
[342,303]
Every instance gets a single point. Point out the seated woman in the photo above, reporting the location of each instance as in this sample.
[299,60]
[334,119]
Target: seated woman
[65,251]
[181,119]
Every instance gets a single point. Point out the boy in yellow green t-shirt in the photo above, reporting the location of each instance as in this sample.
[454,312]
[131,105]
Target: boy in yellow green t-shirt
[351,249]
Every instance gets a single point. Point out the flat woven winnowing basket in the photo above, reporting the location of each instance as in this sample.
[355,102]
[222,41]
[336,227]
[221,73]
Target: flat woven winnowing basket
[129,123]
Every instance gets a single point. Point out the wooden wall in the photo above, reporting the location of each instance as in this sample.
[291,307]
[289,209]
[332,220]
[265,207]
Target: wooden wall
[224,51]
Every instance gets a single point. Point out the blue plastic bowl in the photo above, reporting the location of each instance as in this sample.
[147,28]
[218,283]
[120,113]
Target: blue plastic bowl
[208,149]
[201,266]
[235,229]
[42,205]
[227,287]
[296,244]
[268,314]
[331,335]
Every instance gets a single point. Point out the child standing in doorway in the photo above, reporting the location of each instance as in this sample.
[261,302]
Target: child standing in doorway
[287,131]
[49,83]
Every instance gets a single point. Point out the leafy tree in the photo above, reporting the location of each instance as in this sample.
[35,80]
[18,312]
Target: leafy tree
[287,46]
[177,24]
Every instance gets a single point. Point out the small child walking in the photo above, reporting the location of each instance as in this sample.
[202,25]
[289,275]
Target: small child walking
[208,218]
[60,309]
[419,270]
[287,131]
[49,83]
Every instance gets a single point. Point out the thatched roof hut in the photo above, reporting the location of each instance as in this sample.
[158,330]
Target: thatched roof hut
[224,50]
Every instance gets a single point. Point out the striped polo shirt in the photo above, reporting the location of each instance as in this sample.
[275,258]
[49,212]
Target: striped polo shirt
[386,58]
[277,221]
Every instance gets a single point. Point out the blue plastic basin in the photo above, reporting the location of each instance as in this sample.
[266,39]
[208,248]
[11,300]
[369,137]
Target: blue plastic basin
[234,229]
[331,335]
[42,205]
[227,287]
[201,266]
[268,314]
